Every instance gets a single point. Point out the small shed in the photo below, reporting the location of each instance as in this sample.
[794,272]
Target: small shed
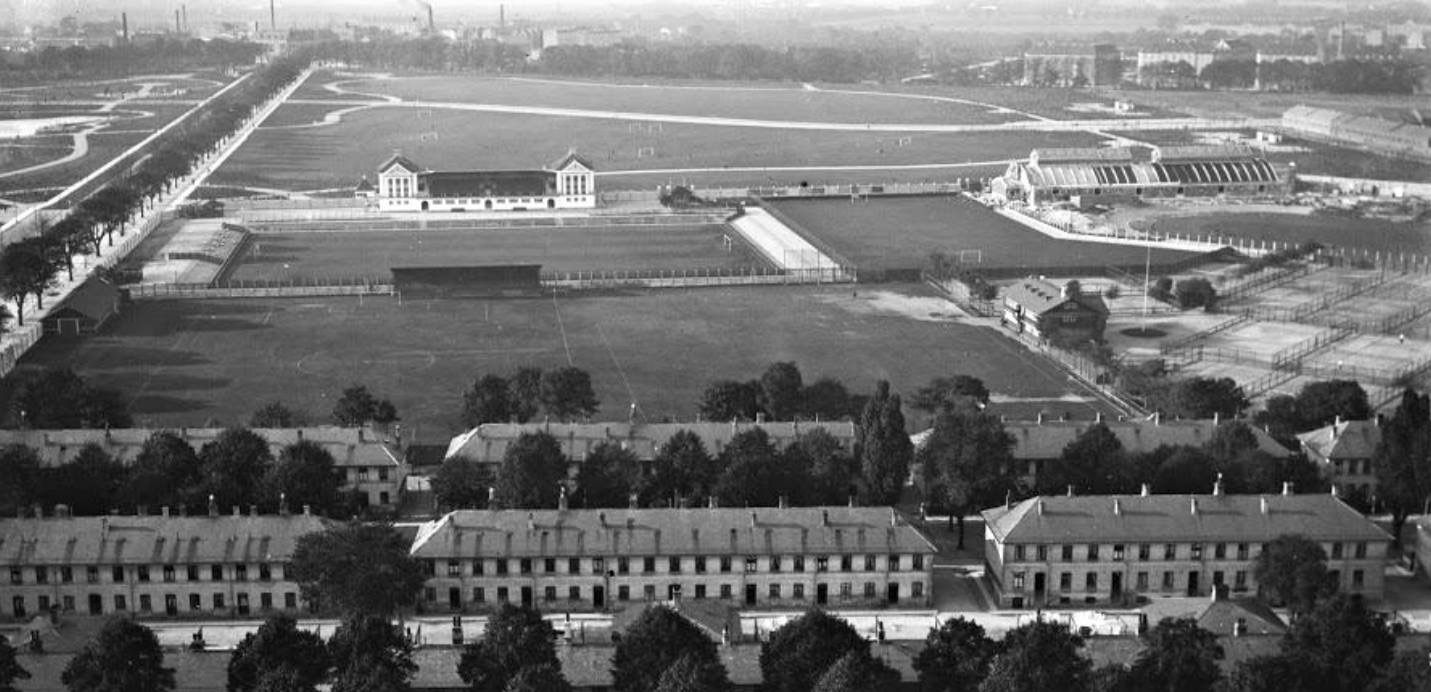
[85,310]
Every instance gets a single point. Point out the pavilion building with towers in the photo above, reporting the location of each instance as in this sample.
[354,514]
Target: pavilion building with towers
[567,183]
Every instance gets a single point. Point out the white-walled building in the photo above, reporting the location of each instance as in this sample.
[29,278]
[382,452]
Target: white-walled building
[568,183]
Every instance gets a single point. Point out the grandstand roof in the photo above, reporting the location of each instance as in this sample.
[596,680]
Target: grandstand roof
[569,158]
[1202,152]
[487,183]
[96,299]
[1080,155]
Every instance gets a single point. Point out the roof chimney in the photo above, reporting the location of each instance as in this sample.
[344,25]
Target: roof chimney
[825,517]
[253,510]
[782,503]
[1039,506]
[491,497]
[283,504]
[753,521]
[307,510]
[164,511]
[236,511]
[62,511]
[631,502]
[213,507]
[1070,490]
[1266,506]
[601,516]
[1217,485]
[759,417]
[1040,418]
[1146,491]
[1117,508]
[1192,503]
[893,517]
[852,499]
[1216,417]
[1098,417]
[711,502]
[1158,418]
[1008,499]
[1287,488]
[1335,493]
[561,499]
[531,521]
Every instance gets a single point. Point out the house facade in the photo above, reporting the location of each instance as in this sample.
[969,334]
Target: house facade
[1343,452]
[370,463]
[1047,551]
[1059,314]
[567,183]
[151,566]
[597,560]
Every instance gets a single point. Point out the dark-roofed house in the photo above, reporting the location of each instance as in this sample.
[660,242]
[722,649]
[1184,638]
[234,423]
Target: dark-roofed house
[1049,312]
[85,310]
[487,443]
[600,559]
[1115,548]
[1343,452]
[567,183]
[152,566]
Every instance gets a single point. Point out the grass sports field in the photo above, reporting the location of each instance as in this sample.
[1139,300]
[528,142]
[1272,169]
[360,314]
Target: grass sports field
[188,362]
[1337,231]
[900,232]
[309,255]
[770,101]
[305,158]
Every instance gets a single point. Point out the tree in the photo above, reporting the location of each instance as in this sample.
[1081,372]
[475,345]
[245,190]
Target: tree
[124,657]
[1179,656]
[681,468]
[797,654]
[607,476]
[23,271]
[166,470]
[820,458]
[955,657]
[57,398]
[278,644]
[731,400]
[525,390]
[1187,470]
[90,485]
[1321,403]
[461,483]
[370,654]
[1293,570]
[1092,464]
[357,569]
[883,447]
[968,465]
[543,678]
[305,474]
[1347,644]
[515,638]
[20,466]
[1039,656]
[488,400]
[233,466]
[692,673]
[1195,293]
[654,643]
[1408,672]
[1275,673]
[567,394]
[858,671]
[533,471]
[755,473]
[1402,459]
[11,670]
[826,399]
[950,392]
[275,414]
[357,406]
[1202,397]
[282,679]
[781,388]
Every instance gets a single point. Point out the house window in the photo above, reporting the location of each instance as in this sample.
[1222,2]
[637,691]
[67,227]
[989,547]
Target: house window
[195,602]
[290,599]
[168,573]
[1065,581]
[1218,578]
[1093,552]
[846,590]
[893,563]
[549,565]
[549,594]
[799,590]
[1144,551]
[241,572]
[1197,551]
[1358,578]
[1168,580]
[650,592]
[42,576]
[1360,551]
[479,595]
[191,572]
[1041,551]
[1242,551]
[1018,553]
[573,565]
[1018,581]
[1090,582]
[774,592]
[700,591]
[623,565]
[1219,551]
[1141,581]
[725,564]
[623,593]
[750,564]
[216,573]
[501,567]
[16,576]
[573,593]
[146,603]
[774,563]
[822,564]
[525,565]
[116,574]
[67,575]
[869,563]
[700,565]
[120,605]
[799,563]
[916,590]
[1170,551]
[503,594]
[1239,580]
[1336,551]
[648,565]
[218,601]
[725,592]
[598,565]
[869,589]
[1118,552]
[382,473]
[673,565]
[1068,553]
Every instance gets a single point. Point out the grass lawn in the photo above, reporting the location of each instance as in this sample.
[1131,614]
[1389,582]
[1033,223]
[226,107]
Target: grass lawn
[188,362]
[31,151]
[301,114]
[1264,104]
[313,88]
[330,156]
[761,101]
[102,148]
[1370,234]
[900,232]
[339,254]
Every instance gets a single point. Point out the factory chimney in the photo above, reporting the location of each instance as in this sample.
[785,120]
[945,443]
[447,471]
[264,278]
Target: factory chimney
[502,17]
[431,26]
[272,16]
[124,25]
[178,28]
[184,10]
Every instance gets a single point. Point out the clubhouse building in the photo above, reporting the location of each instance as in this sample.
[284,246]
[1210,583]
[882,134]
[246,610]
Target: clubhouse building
[588,559]
[567,183]
[1116,549]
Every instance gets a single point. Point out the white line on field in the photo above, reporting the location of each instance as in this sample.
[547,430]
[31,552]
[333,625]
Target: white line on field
[564,343]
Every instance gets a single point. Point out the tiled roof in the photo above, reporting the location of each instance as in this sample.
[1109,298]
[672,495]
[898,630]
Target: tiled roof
[349,446]
[401,160]
[1220,616]
[1040,297]
[1175,518]
[567,159]
[96,299]
[1202,152]
[703,531]
[1352,439]
[1046,440]
[487,443]
[149,540]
